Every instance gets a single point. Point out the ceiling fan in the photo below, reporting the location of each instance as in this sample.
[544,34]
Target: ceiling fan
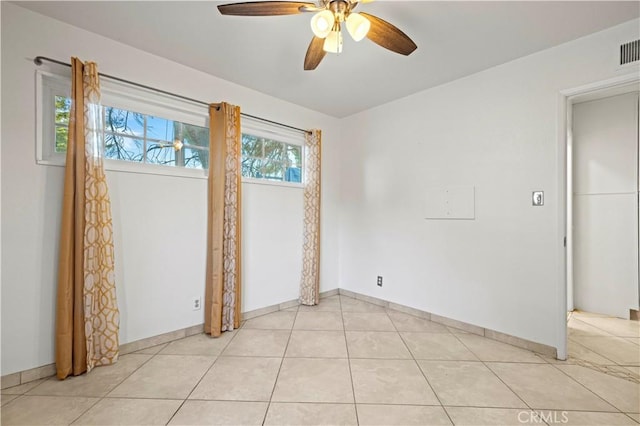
[326,24]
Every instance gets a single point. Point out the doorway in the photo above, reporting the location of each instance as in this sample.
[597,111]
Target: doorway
[603,254]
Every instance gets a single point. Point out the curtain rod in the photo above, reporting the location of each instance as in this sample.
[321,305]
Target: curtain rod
[38,61]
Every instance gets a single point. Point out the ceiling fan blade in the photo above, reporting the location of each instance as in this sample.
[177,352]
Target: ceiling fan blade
[314,55]
[312,8]
[388,36]
[264,8]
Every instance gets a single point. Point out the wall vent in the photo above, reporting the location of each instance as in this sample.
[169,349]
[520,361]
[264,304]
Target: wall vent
[630,52]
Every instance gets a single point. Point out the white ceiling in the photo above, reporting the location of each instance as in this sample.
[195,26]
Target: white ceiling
[454,39]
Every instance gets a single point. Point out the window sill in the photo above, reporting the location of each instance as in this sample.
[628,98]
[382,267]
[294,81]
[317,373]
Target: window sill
[138,168]
[272,183]
[151,169]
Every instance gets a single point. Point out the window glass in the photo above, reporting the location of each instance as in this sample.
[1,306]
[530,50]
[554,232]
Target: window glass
[62,111]
[270,159]
[137,137]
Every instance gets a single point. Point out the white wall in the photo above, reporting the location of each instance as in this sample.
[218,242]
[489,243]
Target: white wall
[159,221]
[496,130]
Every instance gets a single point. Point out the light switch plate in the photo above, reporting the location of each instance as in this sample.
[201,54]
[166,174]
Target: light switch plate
[537,198]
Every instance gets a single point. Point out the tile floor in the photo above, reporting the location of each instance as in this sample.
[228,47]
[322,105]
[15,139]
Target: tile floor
[350,362]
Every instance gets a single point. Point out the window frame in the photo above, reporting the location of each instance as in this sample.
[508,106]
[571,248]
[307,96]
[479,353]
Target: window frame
[117,95]
[253,127]
[128,97]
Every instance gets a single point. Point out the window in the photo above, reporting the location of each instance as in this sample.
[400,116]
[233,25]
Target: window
[271,154]
[133,136]
[145,132]
[268,159]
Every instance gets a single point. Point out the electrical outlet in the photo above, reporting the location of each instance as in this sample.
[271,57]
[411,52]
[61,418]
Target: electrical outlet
[379,281]
[196,303]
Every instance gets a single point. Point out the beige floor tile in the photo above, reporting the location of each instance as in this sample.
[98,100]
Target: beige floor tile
[314,380]
[367,321]
[318,321]
[635,340]
[45,410]
[165,376]
[117,411]
[616,349]
[220,413]
[576,327]
[492,350]
[349,304]
[544,387]
[457,330]
[99,382]
[23,388]
[280,320]
[7,398]
[464,383]
[331,303]
[317,344]
[437,346]
[376,344]
[471,416]
[583,418]
[576,351]
[634,416]
[613,370]
[269,343]
[290,413]
[291,309]
[614,326]
[406,322]
[584,314]
[152,350]
[634,370]
[199,344]
[387,381]
[622,394]
[239,379]
[401,415]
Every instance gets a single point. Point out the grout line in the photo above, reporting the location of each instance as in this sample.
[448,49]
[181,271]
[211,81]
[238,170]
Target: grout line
[112,389]
[605,332]
[495,374]
[420,369]
[575,342]
[284,353]
[628,415]
[205,373]
[86,411]
[346,344]
[588,389]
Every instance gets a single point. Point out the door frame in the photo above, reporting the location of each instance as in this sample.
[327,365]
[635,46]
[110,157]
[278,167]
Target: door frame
[566,99]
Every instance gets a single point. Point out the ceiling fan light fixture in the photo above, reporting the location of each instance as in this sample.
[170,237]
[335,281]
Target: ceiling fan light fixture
[333,42]
[322,23]
[358,26]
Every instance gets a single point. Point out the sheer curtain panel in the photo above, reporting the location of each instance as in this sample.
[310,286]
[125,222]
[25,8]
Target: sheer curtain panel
[87,316]
[222,283]
[310,283]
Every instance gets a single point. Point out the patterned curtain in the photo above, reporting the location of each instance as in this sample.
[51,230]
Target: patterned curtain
[310,283]
[87,316]
[222,284]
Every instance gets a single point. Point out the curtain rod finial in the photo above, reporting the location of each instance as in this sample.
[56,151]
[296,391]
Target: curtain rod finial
[37,60]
